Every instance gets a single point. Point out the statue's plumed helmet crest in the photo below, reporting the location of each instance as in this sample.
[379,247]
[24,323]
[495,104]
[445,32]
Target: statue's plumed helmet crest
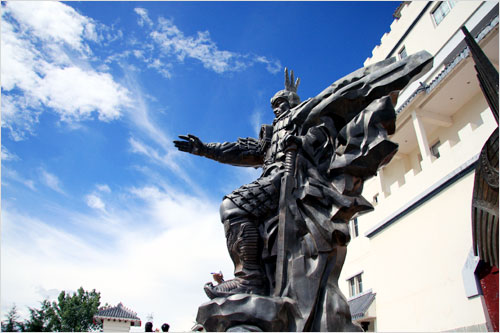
[290,91]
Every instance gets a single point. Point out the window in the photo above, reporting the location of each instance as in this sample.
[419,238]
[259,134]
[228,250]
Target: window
[355,285]
[402,53]
[435,149]
[442,10]
[354,228]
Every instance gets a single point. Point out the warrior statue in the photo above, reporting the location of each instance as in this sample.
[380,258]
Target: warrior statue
[287,231]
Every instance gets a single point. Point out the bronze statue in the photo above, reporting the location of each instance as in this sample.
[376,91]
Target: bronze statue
[287,231]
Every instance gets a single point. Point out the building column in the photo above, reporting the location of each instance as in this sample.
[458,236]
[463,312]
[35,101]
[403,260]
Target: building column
[383,186]
[423,144]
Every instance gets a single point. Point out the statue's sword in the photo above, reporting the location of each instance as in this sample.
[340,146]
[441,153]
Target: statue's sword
[285,222]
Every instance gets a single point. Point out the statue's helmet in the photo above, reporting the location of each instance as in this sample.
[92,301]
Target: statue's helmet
[290,91]
[292,97]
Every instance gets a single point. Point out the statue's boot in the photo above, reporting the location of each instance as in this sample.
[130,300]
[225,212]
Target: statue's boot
[243,244]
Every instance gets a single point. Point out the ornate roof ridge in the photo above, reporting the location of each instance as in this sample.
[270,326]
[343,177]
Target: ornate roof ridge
[118,311]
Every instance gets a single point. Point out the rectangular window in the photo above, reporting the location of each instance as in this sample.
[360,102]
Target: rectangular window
[402,53]
[352,289]
[355,285]
[435,149]
[442,9]
[354,228]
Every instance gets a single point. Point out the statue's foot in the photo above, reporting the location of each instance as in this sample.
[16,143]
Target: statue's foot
[234,286]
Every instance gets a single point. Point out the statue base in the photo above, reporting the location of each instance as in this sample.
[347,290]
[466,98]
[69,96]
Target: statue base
[248,313]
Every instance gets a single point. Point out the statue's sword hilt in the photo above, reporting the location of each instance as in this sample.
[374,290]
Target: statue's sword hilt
[285,222]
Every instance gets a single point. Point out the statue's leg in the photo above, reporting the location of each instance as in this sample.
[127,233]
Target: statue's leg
[240,212]
[243,243]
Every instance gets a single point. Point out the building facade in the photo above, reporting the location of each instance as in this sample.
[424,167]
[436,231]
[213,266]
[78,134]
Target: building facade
[410,264]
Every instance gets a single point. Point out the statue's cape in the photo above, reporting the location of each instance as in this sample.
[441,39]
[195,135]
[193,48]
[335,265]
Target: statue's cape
[348,96]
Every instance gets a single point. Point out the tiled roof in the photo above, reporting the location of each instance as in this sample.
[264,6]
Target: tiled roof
[359,305]
[118,312]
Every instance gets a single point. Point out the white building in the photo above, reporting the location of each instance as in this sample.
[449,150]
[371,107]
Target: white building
[117,318]
[409,266]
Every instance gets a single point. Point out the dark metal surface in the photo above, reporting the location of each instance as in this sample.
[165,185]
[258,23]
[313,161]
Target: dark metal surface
[486,73]
[286,274]
[485,203]
[485,193]
[285,221]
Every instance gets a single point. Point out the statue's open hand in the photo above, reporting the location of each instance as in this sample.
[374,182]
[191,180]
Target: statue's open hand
[192,144]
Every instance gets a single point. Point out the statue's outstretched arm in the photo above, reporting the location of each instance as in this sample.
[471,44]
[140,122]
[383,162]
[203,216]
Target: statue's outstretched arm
[244,152]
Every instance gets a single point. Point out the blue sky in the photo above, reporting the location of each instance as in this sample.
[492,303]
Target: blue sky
[94,193]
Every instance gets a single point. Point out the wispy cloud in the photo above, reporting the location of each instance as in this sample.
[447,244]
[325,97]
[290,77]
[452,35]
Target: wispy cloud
[9,174]
[8,156]
[56,74]
[159,147]
[95,202]
[103,188]
[95,199]
[256,120]
[172,42]
[50,180]
[143,17]
[19,115]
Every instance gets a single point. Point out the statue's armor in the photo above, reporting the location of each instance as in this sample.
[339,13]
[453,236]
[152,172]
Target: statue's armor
[275,153]
[260,197]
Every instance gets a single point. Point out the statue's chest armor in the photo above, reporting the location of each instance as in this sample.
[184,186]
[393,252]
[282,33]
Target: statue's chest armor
[281,127]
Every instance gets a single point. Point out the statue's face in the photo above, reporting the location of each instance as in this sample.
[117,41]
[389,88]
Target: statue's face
[280,105]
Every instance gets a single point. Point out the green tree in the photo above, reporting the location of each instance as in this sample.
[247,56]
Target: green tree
[70,313]
[76,312]
[42,320]
[12,323]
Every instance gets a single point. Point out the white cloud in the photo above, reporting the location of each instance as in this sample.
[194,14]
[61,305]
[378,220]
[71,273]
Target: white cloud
[164,152]
[44,54]
[158,266]
[9,174]
[272,66]
[95,202]
[53,22]
[103,188]
[162,68]
[143,17]
[256,121]
[174,43]
[19,115]
[50,180]
[19,59]
[7,155]
[167,159]
[75,94]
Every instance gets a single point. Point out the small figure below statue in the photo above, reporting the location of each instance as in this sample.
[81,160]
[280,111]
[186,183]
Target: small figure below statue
[287,231]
